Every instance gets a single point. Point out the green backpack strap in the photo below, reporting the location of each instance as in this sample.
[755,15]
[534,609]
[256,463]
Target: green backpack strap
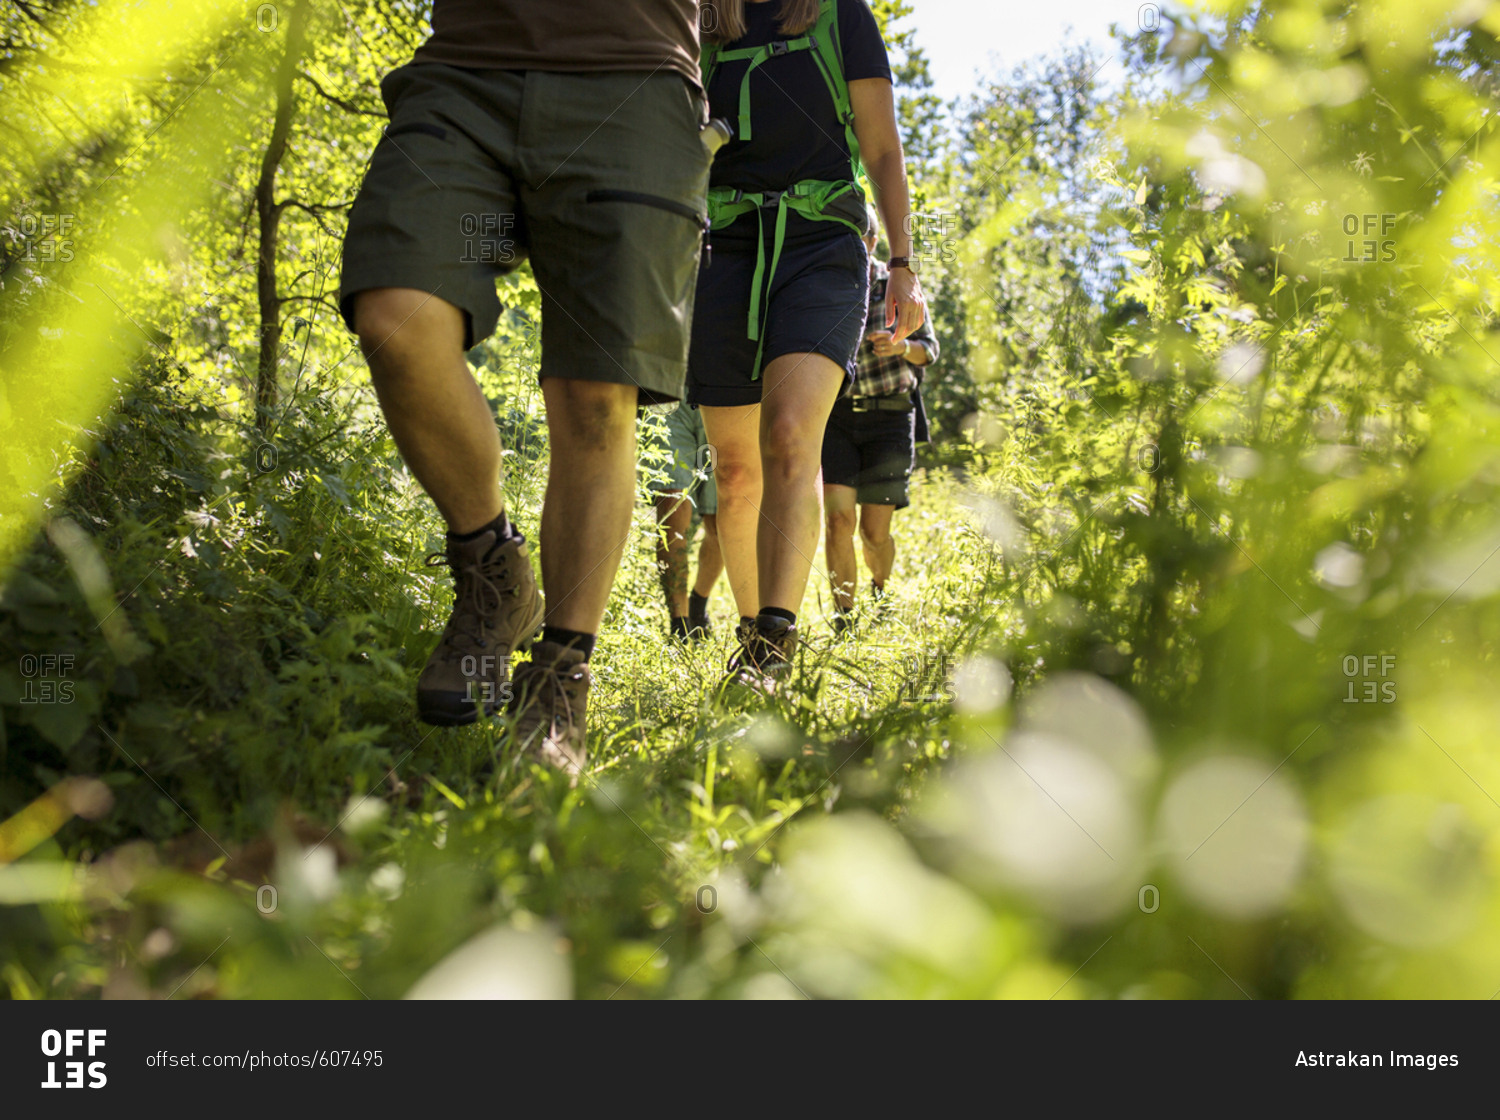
[708,62]
[828,52]
[756,56]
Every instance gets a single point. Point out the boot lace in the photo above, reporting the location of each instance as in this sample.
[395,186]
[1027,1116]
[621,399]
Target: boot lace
[475,589]
[757,651]
[545,689]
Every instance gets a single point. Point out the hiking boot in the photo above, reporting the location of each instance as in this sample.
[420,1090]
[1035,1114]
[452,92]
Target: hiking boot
[549,702]
[497,610]
[843,622]
[744,632]
[765,654]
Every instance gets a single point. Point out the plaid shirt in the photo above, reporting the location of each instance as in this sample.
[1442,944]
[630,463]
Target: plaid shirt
[893,376]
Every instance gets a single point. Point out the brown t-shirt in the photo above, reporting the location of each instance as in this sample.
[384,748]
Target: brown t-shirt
[571,35]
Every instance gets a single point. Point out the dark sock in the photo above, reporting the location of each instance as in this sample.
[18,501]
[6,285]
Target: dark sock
[680,626]
[575,638]
[697,605]
[789,617]
[876,590]
[504,531]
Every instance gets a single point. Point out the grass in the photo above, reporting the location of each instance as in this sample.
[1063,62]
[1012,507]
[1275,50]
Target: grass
[289,829]
[239,803]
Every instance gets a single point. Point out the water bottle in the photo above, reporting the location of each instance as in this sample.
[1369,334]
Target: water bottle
[716,133]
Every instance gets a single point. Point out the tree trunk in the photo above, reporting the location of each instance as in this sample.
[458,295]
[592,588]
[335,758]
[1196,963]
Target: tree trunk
[269,212]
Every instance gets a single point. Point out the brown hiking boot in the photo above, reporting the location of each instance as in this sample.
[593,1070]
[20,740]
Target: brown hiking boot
[496,611]
[549,702]
[765,654]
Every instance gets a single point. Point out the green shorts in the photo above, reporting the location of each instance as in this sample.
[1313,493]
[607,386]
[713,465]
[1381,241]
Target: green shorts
[689,464]
[598,178]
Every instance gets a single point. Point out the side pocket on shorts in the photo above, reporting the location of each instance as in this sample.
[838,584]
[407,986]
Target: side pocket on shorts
[435,130]
[672,206]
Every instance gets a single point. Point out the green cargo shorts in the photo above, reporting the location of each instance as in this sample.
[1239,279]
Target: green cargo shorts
[598,178]
[689,465]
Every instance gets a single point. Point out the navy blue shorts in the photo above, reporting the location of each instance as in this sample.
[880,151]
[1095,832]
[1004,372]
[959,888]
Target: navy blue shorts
[817,306]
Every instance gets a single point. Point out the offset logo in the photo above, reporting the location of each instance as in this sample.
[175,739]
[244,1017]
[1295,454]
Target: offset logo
[67,1044]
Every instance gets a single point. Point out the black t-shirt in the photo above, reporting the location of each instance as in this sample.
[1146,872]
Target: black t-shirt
[796,133]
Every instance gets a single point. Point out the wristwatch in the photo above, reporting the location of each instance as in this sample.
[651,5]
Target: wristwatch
[902,262]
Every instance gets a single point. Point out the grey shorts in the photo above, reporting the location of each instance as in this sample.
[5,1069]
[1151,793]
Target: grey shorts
[599,178]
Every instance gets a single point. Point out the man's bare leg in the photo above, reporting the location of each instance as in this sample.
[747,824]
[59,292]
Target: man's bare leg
[590,494]
[436,412]
[446,434]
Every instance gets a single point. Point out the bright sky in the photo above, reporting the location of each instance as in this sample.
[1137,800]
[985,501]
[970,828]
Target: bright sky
[961,36]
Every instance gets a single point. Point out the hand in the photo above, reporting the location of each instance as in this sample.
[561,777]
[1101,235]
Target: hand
[905,305]
[885,346]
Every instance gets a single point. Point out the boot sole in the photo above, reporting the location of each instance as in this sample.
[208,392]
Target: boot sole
[435,716]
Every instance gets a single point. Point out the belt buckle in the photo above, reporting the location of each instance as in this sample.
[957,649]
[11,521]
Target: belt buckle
[771,198]
[778,47]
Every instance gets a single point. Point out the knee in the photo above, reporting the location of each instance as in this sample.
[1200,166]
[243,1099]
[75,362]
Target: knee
[400,328]
[790,450]
[840,524]
[596,414]
[875,536]
[735,475]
